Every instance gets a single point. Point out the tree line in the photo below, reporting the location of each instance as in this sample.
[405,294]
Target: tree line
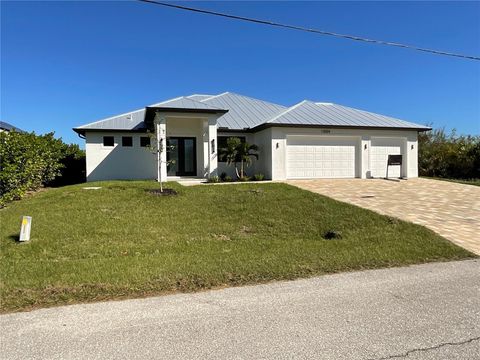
[448,155]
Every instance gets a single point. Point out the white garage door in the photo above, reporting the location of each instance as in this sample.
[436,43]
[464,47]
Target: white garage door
[381,148]
[320,157]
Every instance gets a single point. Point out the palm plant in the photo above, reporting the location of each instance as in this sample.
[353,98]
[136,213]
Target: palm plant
[237,152]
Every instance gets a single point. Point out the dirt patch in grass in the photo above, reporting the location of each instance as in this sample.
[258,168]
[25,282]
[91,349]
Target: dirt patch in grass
[165,192]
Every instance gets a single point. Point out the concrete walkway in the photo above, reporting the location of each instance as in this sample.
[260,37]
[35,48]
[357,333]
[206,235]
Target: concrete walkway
[427,311]
[450,209]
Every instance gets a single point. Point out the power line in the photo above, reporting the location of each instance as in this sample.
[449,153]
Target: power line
[316,31]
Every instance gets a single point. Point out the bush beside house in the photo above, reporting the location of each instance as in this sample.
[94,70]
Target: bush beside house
[449,155]
[29,161]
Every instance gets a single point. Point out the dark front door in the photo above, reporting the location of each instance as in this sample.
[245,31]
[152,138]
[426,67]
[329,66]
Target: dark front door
[183,150]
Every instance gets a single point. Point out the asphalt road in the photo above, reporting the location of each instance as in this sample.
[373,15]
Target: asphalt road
[419,312]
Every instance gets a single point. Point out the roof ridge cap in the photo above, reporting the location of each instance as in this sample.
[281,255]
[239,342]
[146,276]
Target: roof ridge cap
[214,96]
[286,111]
[187,98]
[250,97]
[199,95]
[162,102]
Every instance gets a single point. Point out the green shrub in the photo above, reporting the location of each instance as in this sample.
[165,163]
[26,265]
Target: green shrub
[448,155]
[73,170]
[28,161]
[259,177]
[223,175]
[244,178]
[228,179]
[213,179]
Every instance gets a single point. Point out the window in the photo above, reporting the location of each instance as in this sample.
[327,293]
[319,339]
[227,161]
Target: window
[127,141]
[108,141]
[222,143]
[144,141]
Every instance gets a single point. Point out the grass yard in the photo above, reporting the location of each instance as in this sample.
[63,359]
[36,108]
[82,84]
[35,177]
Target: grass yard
[120,241]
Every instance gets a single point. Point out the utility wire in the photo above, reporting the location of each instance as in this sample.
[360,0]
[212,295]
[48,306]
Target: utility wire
[316,31]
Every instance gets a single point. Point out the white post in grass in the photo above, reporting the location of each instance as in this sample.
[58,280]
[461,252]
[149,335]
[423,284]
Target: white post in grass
[160,132]
[25,228]
[159,162]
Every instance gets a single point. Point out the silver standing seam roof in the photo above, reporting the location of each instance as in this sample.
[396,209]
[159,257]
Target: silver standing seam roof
[9,127]
[239,112]
[328,114]
[243,112]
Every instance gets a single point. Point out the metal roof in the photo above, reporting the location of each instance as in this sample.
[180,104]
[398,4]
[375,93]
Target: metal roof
[135,120]
[328,114]
[128,121]
[245,113]
[199,97]
[9,127]
[185,103]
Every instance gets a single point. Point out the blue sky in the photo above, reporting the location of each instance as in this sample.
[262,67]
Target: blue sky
[68,63]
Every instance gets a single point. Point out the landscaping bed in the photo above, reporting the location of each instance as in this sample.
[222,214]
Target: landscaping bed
[121,241]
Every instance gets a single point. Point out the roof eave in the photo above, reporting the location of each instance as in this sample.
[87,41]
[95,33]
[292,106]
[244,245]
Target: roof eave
[186,110]
[268,125]
[82,131]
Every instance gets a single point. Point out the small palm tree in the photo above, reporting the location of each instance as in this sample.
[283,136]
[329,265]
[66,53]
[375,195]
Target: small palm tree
[236,152]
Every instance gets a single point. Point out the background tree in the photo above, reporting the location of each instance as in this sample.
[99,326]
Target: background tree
[448,155]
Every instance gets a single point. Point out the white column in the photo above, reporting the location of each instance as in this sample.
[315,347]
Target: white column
[365,144]
[212,147]
[206,153]
[411,156]
[161,136]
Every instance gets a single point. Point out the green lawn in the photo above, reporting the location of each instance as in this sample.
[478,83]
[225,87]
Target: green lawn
[120,241]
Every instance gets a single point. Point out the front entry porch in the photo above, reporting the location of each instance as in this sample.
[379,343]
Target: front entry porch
[188,143]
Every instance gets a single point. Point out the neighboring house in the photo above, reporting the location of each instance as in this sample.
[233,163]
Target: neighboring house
[4,126]
[307,140]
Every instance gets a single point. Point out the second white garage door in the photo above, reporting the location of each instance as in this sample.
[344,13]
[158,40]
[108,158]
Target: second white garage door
[320,157]
[381,148]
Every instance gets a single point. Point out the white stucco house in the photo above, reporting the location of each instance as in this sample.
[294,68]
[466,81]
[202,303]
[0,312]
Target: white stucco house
[306,140]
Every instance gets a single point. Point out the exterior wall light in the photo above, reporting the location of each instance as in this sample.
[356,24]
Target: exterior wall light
[365,146]
[412,147]
[213,146]
[278,145]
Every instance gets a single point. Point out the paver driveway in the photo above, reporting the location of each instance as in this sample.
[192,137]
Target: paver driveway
[450,209]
